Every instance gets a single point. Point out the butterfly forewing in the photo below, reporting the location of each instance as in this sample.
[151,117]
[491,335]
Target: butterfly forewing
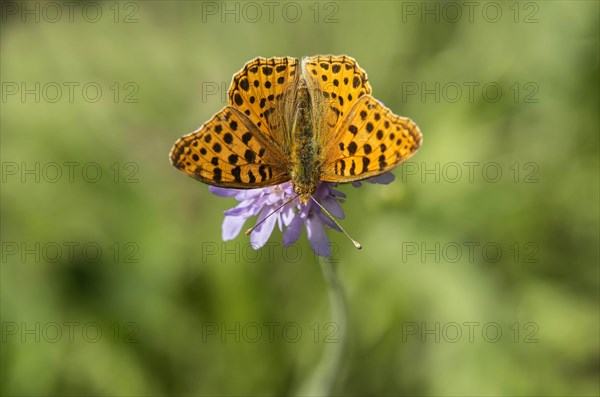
[369,142]
[336,83]
[230,151]
[263,91]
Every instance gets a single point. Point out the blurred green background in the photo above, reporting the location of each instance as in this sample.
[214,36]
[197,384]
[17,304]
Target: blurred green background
[469,283]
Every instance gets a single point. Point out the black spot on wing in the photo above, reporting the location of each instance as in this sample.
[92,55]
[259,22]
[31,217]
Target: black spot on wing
[238,99]
[217,174]
[250,156]
[352,147]
[262,173]
[236,172]
[365,161]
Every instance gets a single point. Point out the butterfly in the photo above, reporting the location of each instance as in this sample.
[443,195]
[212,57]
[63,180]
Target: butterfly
[301,121]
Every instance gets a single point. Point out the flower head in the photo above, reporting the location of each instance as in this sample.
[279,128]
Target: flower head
[289,218]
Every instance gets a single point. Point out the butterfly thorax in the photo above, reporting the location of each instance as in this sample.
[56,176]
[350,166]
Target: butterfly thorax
[305,152]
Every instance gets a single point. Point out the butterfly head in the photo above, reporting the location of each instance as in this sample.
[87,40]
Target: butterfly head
[304,192]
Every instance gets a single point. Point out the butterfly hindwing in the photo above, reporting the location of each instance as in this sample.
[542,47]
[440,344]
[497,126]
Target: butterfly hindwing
[370,141]
[230,151]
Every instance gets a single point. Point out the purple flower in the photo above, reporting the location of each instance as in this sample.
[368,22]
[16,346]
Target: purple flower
[290,217]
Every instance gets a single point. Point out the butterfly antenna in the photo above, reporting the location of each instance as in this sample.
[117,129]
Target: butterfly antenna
[247,232]
[356,243]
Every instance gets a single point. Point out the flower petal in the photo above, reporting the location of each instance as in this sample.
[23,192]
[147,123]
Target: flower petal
[232,226]
[245,209]
[292,233]
[333,206]
[317,237]
[261,234]
[287,214]
[250,194]
[383,179]
[223,192]
[336,193]
[325,220]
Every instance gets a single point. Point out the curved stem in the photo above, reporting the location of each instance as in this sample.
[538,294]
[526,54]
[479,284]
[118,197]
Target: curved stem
[323,377]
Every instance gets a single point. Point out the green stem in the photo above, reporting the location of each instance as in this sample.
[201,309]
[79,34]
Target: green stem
[323,377]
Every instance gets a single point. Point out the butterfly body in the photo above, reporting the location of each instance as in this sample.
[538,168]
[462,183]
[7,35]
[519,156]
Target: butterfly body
[305,156]
[299,122]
